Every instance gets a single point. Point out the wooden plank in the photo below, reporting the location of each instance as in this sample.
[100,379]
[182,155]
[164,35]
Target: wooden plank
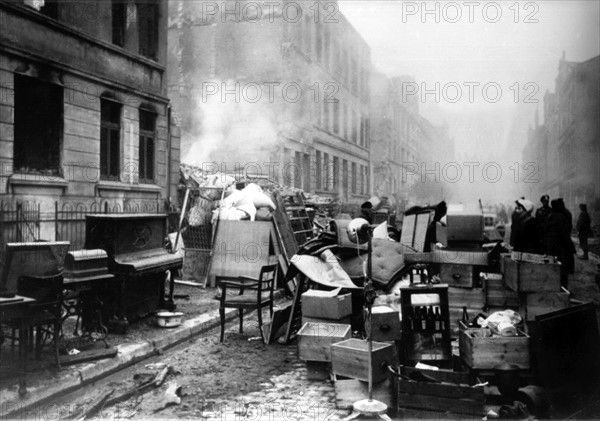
[441,375]
[436,403]
[295,320]
[441,390]
[240,248]
[408,230]
[85,356]
[281,314]
[280,217]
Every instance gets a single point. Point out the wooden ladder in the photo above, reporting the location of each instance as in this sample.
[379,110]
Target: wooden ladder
[299,218]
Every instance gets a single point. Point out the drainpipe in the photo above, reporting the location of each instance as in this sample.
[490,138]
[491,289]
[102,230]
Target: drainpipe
[169,153]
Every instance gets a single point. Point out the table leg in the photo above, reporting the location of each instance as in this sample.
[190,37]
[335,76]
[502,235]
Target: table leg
[23,339]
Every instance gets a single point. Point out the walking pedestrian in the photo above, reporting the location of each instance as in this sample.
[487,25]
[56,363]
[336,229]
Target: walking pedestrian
[584,230]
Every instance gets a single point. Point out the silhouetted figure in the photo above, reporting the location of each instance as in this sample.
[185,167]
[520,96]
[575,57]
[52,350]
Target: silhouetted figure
[558,239]
[584,230]
[541,217]
[524,232]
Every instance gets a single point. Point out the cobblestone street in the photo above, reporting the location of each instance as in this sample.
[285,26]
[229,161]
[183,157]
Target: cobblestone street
[240,378]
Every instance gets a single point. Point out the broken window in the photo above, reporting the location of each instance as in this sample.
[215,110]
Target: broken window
[110,139]
[147,136]
[147,15]
[38,125]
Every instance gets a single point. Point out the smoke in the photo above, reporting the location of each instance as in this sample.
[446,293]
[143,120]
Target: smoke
[225,130]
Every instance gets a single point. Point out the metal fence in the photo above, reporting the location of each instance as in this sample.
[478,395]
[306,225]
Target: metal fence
[20,221]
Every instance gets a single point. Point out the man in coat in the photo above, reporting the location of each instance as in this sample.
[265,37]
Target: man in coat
[584,229]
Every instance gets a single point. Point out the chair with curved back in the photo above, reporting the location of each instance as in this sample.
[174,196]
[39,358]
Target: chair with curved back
[252,293]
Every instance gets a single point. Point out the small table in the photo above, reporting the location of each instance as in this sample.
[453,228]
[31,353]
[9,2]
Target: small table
[17,307]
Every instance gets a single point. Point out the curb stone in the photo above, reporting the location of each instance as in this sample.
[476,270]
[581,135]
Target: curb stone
[128,354]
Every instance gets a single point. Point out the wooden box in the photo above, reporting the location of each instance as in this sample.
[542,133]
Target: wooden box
[322,305]
[497,294]
[350,358]
[437,390]
[523,276]
[315,340]
[457,275]
[464,224]
[385,324]
[480,350]
[536,303]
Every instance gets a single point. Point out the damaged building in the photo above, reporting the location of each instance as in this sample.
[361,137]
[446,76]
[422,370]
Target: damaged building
[266,89]
[84,115]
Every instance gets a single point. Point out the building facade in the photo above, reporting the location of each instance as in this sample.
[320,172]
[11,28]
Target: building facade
[406,148]
[273,88]
[84,114]
[566,148]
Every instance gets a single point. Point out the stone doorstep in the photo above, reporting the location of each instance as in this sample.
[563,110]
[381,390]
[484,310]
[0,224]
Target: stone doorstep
[128,354]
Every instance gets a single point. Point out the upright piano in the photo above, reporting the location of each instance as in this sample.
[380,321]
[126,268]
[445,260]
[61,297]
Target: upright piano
[137,257]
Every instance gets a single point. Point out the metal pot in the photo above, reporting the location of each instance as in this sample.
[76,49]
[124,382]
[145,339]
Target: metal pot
[168,318]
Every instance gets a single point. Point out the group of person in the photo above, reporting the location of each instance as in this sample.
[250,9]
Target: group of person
[548,231]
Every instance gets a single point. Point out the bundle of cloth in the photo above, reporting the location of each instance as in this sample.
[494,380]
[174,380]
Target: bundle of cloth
[250,203]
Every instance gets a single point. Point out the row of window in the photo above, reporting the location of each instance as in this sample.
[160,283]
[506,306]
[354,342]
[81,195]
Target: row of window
[124,13]
[333,54]
[38,131]
[345,122]
[327,174]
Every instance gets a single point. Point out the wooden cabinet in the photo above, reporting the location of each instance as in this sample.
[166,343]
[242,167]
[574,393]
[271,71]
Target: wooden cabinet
[426,325]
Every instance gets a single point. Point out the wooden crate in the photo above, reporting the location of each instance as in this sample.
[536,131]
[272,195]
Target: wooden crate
[479,350]
[536,303]
[459,275]
[315,340]
[350,358]
[452,393]
[497,294]
[322,305]
[530,277]
[385,324]
[345,321]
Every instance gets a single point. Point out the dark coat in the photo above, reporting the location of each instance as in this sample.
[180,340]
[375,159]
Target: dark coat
[525,235]
[558,237]
[584,225]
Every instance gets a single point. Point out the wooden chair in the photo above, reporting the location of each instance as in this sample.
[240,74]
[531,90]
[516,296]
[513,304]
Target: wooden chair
[252,293]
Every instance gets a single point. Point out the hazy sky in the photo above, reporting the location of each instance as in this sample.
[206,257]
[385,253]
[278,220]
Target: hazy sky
[509,48]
